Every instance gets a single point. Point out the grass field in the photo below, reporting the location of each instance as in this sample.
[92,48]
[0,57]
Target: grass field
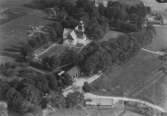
[16,30]
[111,35]
[130,77]
[92,111]
[14,26]
[160,40]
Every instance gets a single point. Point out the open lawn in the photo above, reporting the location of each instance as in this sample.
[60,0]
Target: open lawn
[140,72]
[56,50]
[10,14]
[111,35]
[130,77]
[16,21]
[128,113]
[16,30]
[160,40]
[92,111]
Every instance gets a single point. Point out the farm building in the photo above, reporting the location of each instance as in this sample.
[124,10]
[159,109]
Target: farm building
[74,72]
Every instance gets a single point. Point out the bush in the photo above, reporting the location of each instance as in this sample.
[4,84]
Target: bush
[4,87]
[52,82]
[57,100]
[87,87]
[74,99]
[31,94]
[14,99]
[114,51]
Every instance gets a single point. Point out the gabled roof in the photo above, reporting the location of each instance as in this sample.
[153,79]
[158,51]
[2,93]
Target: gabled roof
[73,70]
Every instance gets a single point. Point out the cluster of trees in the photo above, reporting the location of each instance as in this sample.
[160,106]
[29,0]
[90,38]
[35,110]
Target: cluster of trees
[21,52]
[99,56]
[98,20]
[38,90]
[7,69]
[41,35]
[95,24]
[58,61]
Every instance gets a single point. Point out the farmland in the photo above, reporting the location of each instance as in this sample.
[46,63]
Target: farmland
[131,77]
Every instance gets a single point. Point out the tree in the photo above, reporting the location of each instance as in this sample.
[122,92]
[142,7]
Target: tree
[52,82]
[74,99]
[68,57]
[63,80]
[102,10]
[94,30]
[90,66]
[42,4]
[78,12]
[57,100]
[67,5]
[69,22]
[87,51]
[114,11]
[66,80]
[4,87]
[87,87]
[61,15]
[21,52]
[31,94]
[54,31]
[150,30]
[50,63]
[14,99]
[97,61]
[8,69]
[41,83]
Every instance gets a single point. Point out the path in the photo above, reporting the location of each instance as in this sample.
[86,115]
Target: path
[110,100]
[158,75]
[154,52]
[107,100]
[79,83]
[37,55]
[37,70]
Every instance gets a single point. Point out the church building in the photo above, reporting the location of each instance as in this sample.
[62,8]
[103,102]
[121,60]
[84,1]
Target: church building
[76,37]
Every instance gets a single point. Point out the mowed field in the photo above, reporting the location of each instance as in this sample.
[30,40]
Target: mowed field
[14,28]
[93,111]
[13,3]
[140,77]
[160,40]
[126,79]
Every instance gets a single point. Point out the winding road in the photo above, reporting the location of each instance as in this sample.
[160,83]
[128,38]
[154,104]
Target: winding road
[160,53]
[106,100]
[111,100]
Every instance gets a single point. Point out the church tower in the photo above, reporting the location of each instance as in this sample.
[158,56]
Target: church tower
[77,36]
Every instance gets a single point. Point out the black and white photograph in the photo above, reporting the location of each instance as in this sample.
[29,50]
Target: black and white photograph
[83,57]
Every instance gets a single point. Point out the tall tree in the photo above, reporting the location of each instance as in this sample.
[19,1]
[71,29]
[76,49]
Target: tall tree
[74,99]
